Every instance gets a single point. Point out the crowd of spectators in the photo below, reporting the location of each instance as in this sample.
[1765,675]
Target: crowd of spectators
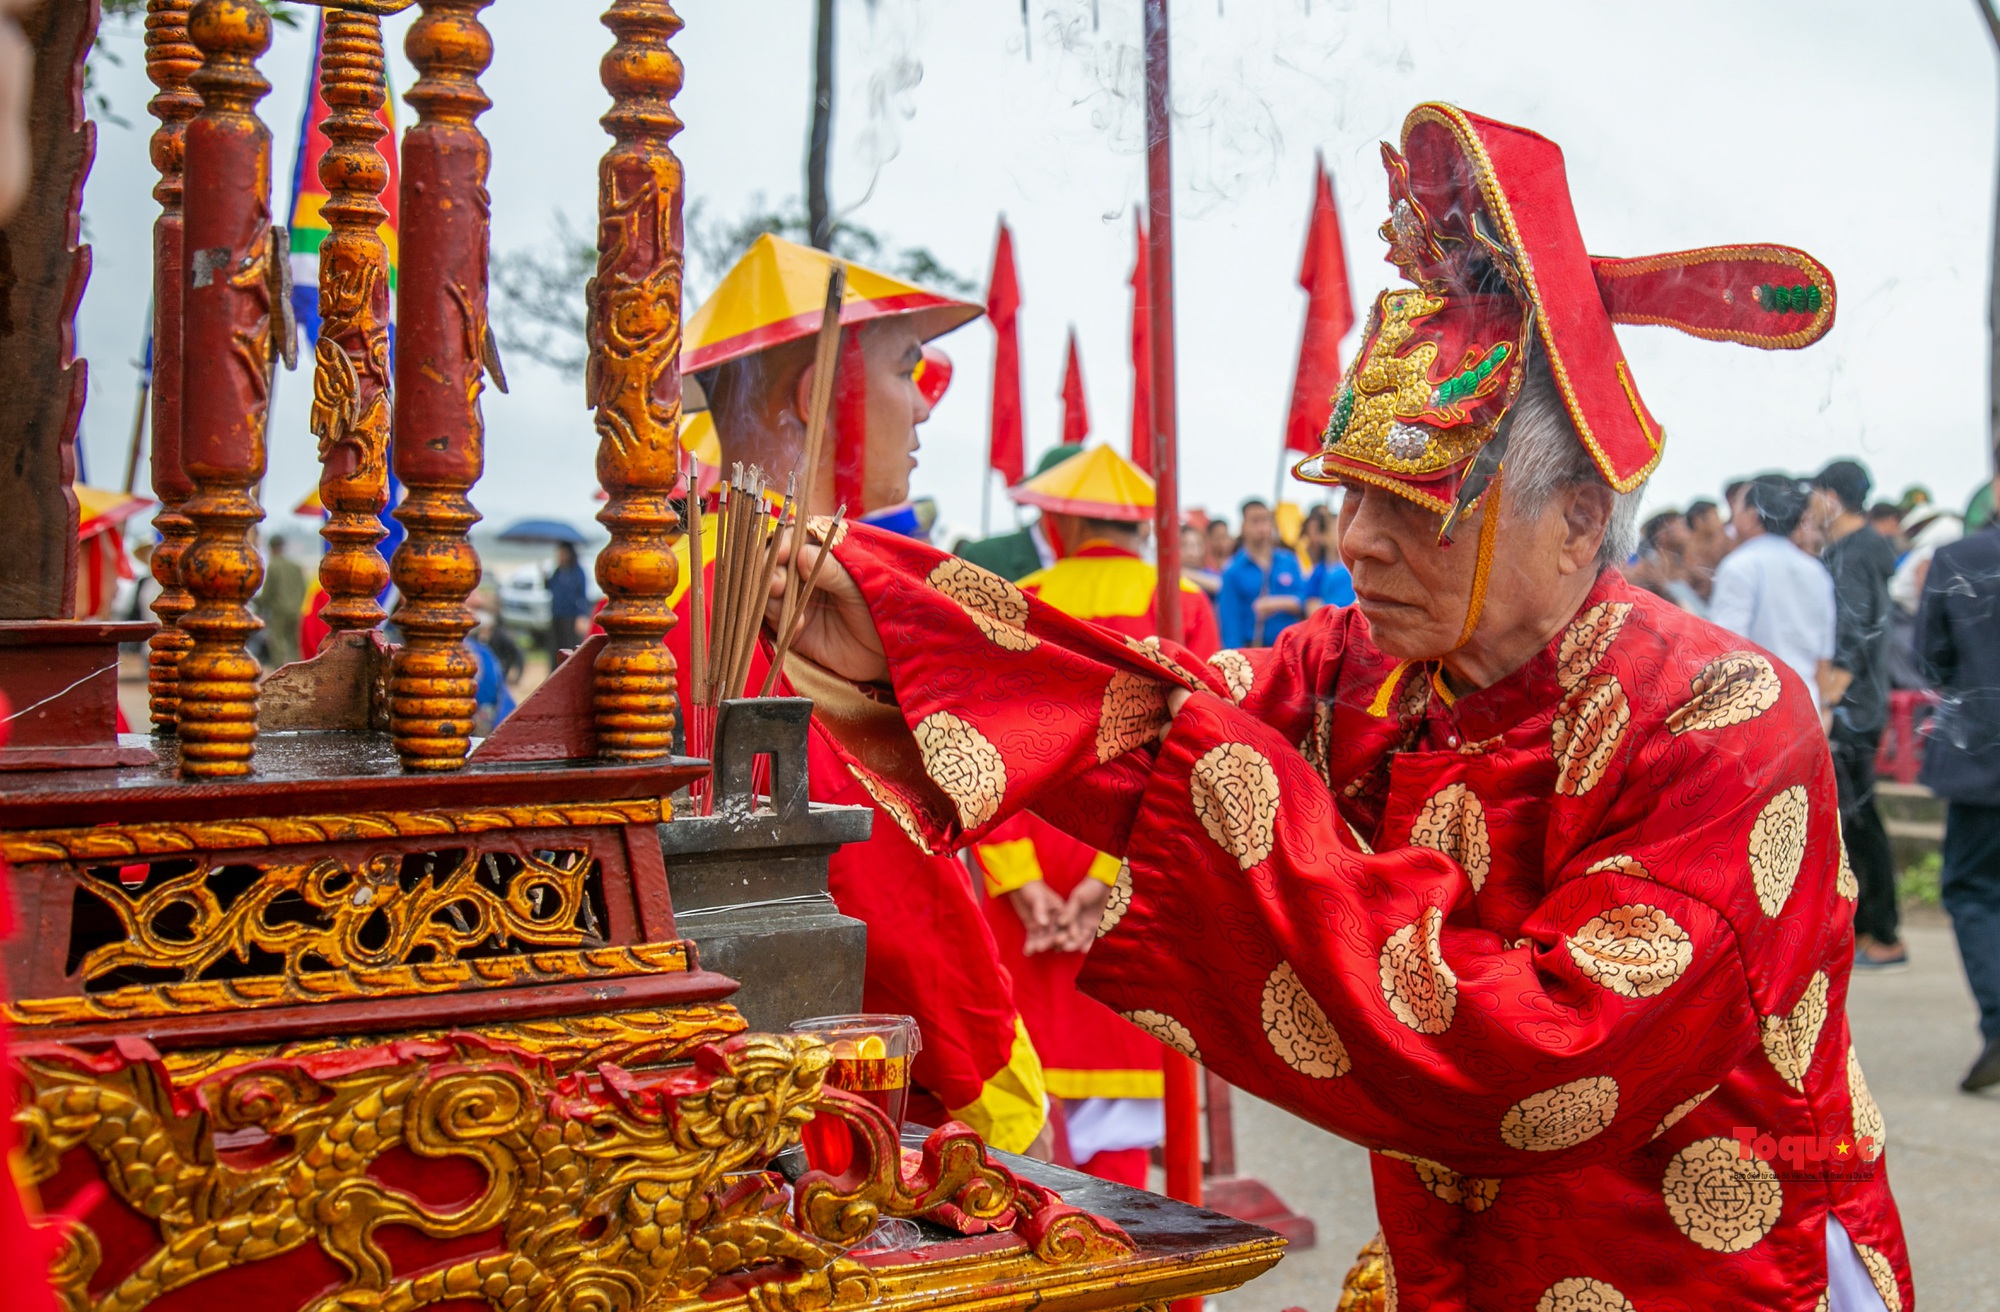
[1864,599]
[1263,579]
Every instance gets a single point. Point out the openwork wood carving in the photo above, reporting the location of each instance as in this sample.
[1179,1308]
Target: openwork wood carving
[444,350]
[634,380]
[350,413]
[415,917]
[227,345]
[171,60]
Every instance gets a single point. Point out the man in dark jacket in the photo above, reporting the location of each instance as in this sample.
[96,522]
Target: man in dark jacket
[1958,636]
[1861,562]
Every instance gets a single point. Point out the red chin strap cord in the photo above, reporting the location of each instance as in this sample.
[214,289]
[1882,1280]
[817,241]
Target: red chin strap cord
[1482,570]
[850,425]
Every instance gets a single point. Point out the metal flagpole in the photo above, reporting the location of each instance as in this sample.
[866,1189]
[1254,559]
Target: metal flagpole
[139,415]
[1183,1099]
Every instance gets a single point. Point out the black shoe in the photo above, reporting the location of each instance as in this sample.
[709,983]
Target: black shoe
[1985,1072]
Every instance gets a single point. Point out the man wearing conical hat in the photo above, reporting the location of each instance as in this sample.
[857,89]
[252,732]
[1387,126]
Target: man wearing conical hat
[1521,877]
[750,347]
[1046,892]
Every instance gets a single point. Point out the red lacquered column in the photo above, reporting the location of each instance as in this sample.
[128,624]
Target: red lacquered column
[350,413]
[635,381]
[443,347]
[226,342]
[171,59]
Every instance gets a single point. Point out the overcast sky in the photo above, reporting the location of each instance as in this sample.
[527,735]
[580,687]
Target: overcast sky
[1859,130]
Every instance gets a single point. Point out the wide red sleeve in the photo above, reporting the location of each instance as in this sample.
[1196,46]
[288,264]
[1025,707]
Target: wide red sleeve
[1013,705]
[1358,991]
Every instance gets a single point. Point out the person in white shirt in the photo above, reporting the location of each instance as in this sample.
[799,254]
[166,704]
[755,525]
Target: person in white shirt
[1774,594]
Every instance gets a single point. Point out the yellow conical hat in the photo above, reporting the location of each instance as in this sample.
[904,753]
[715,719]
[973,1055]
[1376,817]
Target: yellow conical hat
[98,508]
[698,436]
[776,294]
[1099,484]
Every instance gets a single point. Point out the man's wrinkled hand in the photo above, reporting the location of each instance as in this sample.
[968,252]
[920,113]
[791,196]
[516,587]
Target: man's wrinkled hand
[1082,914]
[838,633]
[1041,913]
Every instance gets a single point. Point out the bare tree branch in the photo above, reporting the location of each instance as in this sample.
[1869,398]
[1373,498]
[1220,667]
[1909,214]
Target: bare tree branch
[538,309]
[1992,17]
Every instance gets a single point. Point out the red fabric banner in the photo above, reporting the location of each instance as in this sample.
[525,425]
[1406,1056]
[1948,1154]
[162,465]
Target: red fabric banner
[1142,355]
[1329,314]
[1007,444]
[1076,413]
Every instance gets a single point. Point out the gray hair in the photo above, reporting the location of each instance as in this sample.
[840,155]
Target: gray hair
[1545,456]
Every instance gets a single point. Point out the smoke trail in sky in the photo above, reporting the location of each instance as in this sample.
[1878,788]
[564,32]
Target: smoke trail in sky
[1238,77]
[886,47]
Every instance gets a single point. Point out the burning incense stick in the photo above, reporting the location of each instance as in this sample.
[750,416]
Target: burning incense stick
[826,361]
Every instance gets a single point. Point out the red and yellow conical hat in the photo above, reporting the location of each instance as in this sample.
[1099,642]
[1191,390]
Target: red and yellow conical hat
[99,508]
[777,291]
[1099,484]
[1482,224]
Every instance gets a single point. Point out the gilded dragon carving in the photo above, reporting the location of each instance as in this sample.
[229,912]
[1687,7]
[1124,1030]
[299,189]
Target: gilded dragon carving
[610,1192]
[601,1188]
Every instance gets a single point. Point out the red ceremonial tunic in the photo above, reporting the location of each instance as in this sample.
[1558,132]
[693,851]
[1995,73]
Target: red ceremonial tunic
[1569,953]
[930,954]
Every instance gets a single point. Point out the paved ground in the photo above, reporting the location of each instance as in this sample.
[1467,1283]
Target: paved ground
[1915,1033]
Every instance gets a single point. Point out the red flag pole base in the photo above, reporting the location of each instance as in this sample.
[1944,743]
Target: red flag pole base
[1183,1146]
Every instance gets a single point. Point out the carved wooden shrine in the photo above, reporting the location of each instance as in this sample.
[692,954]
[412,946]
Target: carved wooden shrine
[315,1004]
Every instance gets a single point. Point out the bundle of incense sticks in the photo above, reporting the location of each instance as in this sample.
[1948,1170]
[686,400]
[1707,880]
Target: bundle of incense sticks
[727,608]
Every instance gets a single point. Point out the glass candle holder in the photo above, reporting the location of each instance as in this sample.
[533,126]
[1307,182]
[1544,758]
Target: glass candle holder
[871,1060]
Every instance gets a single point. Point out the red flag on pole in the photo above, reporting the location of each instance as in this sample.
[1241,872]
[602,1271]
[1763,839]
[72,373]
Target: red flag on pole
[1329,314]
[1007,443]
[1142,355]
[1076,414]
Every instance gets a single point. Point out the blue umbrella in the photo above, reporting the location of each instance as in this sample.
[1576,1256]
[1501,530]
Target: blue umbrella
[542,530]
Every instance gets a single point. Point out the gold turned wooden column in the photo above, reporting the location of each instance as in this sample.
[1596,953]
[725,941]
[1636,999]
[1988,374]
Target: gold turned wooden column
[634,381]
[171,59]
[350,412]
[226,344]
[443,347]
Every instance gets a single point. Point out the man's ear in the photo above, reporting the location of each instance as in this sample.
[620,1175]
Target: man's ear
[802,393]
[1586,519]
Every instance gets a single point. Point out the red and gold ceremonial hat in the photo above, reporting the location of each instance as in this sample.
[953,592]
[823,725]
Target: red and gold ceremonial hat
[1481,224]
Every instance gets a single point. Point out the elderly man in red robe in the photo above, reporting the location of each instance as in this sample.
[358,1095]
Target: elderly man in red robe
[1522,878]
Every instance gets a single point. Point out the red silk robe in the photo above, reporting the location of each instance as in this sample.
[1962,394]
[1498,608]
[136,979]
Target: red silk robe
[930,954]
[1570,953]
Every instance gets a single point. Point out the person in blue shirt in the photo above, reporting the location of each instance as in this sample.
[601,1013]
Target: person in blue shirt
[1263,586]
[1328,583]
